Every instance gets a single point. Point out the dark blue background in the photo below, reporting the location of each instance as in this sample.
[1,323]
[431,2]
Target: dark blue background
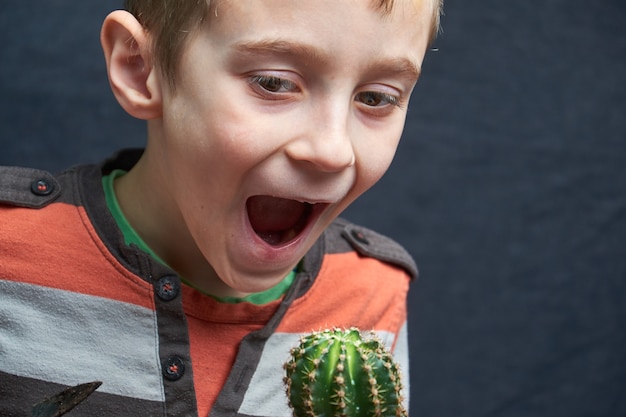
[509,188]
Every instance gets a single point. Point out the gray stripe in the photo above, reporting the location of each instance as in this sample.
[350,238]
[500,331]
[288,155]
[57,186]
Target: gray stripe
[266,394]
[70,338]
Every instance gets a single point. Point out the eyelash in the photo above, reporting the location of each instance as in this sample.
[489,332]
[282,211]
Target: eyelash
[378,98]
[274,87]
[271,84]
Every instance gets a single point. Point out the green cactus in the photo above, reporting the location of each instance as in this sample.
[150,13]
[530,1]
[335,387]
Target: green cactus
[335,373]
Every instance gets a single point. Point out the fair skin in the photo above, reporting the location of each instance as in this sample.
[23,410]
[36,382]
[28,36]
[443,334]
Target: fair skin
[273,129]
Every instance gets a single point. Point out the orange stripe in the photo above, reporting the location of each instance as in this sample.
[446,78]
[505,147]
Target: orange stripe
[374,299]
[57,247]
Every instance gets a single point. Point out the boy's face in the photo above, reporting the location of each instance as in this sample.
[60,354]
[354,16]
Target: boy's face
[284,112]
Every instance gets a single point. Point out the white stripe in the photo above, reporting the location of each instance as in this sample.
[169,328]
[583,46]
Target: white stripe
[70,338]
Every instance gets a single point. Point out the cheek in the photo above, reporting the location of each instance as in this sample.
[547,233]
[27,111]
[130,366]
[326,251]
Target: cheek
[374,159]
[370,167]
[227,129]
[370,173]
[199,137]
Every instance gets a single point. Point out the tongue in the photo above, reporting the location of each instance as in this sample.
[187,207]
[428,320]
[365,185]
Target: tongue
[276,220]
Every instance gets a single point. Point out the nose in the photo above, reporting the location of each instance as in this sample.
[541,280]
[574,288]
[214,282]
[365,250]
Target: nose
[325,143]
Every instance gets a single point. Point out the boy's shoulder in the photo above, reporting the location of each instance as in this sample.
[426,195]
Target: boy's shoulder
[344,236]
[27,187]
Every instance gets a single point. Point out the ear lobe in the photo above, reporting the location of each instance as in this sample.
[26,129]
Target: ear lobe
[128,56]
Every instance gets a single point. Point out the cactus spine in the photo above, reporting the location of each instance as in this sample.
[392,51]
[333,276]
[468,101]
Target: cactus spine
[335,373]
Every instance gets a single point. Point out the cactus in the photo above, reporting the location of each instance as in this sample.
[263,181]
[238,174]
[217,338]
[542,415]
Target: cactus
[335,373]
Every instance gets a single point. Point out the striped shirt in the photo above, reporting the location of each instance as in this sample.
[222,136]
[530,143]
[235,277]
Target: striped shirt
[78,305]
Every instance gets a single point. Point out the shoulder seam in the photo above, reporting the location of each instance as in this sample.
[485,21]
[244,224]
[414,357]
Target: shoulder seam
[372,244]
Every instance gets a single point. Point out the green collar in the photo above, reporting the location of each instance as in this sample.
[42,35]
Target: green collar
[131,237]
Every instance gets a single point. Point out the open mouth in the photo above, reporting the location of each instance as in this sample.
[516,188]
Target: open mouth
[276,220]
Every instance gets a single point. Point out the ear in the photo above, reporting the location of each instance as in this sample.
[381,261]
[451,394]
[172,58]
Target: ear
[132,75]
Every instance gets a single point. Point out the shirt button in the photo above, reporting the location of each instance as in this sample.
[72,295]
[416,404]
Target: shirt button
[360,237]
[168,288]
[173,368]
[41,187]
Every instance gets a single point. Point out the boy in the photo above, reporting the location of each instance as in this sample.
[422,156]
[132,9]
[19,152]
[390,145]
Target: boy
[179,276]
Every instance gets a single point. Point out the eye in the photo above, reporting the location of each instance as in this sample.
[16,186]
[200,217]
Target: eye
[273,84]
[377,99]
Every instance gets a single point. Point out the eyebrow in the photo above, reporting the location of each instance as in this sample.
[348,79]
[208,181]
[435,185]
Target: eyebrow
[281,47]
[402,66]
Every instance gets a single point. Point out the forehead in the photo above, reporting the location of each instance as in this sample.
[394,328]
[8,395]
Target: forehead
[419,10]
[382,6]
[377,25]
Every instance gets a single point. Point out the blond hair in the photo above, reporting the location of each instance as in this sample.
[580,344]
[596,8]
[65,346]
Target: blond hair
[171,21]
